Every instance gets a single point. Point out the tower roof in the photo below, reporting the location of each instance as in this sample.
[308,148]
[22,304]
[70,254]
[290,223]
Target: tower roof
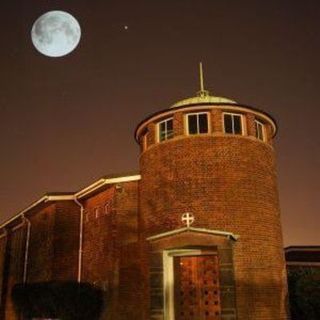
[203,96]
[202,100]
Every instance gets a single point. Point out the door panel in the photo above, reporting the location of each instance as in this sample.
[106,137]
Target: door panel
[197,294]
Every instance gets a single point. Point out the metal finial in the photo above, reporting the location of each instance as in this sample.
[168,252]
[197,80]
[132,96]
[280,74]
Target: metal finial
[202,92]
[201,77]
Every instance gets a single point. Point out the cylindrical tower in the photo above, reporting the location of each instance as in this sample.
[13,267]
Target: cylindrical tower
[214,158]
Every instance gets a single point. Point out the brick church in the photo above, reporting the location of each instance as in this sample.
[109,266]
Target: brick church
[194,234]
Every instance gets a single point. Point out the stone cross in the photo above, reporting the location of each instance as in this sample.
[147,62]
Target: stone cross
[188,219]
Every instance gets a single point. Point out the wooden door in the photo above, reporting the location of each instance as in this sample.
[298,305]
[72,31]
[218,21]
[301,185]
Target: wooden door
[196,285]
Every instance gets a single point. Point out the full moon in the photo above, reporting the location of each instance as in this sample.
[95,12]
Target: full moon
[55,33]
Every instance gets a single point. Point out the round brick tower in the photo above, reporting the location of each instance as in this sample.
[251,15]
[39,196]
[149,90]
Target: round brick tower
[214,158]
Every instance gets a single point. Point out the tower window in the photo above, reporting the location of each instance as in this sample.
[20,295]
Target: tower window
[97,212]
[107,208]
[197,123]
[165,129]
[260,130]
[232,123]
[86,215]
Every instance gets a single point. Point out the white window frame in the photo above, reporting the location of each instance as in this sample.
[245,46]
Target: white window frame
[145,141]
[166,131]
[263,127]
[198,125]
[243,129]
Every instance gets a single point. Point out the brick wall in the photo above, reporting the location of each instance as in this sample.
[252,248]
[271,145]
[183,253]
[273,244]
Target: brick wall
[130,277]
[110,256]
[54,244]
[13,269]
[53,249]
[216,120]
[229,183]
[3,246]
[41,249]
[178,123]
[110,248]
[99,237]
[66,241]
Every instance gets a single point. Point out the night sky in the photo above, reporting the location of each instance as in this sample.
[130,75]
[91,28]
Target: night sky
[64,122]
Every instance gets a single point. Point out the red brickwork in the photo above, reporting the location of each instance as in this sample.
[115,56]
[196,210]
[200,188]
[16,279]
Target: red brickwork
[130,278]
[110,256]
[100,257]
[53,245]
[178,124]
[216,120]
[269,134]
[66,241]
[14,273]
[41,248]
[110,248]
[229,183]
[3,246]
[251,129]
[53,249]
[152,134]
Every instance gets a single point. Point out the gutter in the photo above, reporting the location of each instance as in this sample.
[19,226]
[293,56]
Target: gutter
[105,181]
[4,234]
[96,185]
[80,238]
[21,214]
[26,252]
[82,193]
[75,197]
[44,199]
[34,204]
